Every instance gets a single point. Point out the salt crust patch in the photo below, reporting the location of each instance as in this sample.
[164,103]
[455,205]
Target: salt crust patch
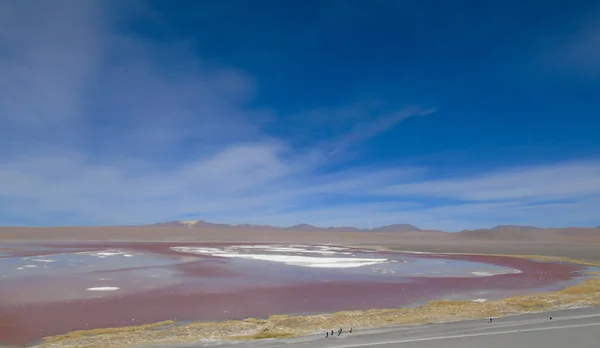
[26,266]
[104,253]
[43,260]
[475,273]
[383,271]
[244,252]
[489,274]
[417,252]
[297,248]
[103,288]
[479,300]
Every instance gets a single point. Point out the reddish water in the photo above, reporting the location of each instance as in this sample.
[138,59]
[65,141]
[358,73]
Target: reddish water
[157,283]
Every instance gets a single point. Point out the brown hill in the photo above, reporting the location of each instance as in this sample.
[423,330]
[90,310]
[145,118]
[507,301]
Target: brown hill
[398,234]
[396,228]
[501,233]
[201,224]
[504,233]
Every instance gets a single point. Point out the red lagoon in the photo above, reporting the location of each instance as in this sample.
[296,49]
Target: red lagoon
[49,289]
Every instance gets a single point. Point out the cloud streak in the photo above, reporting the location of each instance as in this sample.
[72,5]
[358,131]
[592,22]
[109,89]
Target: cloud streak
[363,131]
[547,182]
[255,185]
[100,126]
[47,64]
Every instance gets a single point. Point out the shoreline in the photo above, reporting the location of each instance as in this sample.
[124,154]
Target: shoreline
[287,326]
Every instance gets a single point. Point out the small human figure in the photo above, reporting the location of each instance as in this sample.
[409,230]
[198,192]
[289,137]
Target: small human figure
[327,334]
[491,320]
[550,318]
[340,332]
[350,330]
[331,332]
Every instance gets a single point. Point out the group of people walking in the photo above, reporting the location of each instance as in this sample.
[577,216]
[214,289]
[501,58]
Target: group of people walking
[339,332]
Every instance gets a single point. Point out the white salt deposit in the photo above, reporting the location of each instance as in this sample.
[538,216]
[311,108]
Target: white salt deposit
[503,271]
[242,252]
[109,253]
[327,247]
[383,271]
[420,252]
[103,288]
[43,260]
[482,274]
[105,253]
[293,249]
[479,300]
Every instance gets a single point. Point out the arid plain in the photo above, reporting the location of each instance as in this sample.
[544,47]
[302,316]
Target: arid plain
[516,240]
[181,275]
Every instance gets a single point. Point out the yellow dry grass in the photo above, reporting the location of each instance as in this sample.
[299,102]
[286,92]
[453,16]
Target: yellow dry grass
[75,335]
[264,334]
[284,326]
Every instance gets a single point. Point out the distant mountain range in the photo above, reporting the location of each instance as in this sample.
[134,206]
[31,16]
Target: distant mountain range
[499,233]
[396,234]
[531,233]
[398,228]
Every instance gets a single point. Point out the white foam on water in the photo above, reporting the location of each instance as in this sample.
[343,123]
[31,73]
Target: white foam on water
[103,288]
[30,266]
[291,260]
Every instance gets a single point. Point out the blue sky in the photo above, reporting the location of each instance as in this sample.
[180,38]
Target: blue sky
[446,115]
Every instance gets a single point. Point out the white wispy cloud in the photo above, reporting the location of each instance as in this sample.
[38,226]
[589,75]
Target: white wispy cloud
[95,130]
[50,51]
[544,182]
[232,187]
[70,79]
[362,131]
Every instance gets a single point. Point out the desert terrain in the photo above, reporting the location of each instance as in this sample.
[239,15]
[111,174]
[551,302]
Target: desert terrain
[217,281]
[577,242]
